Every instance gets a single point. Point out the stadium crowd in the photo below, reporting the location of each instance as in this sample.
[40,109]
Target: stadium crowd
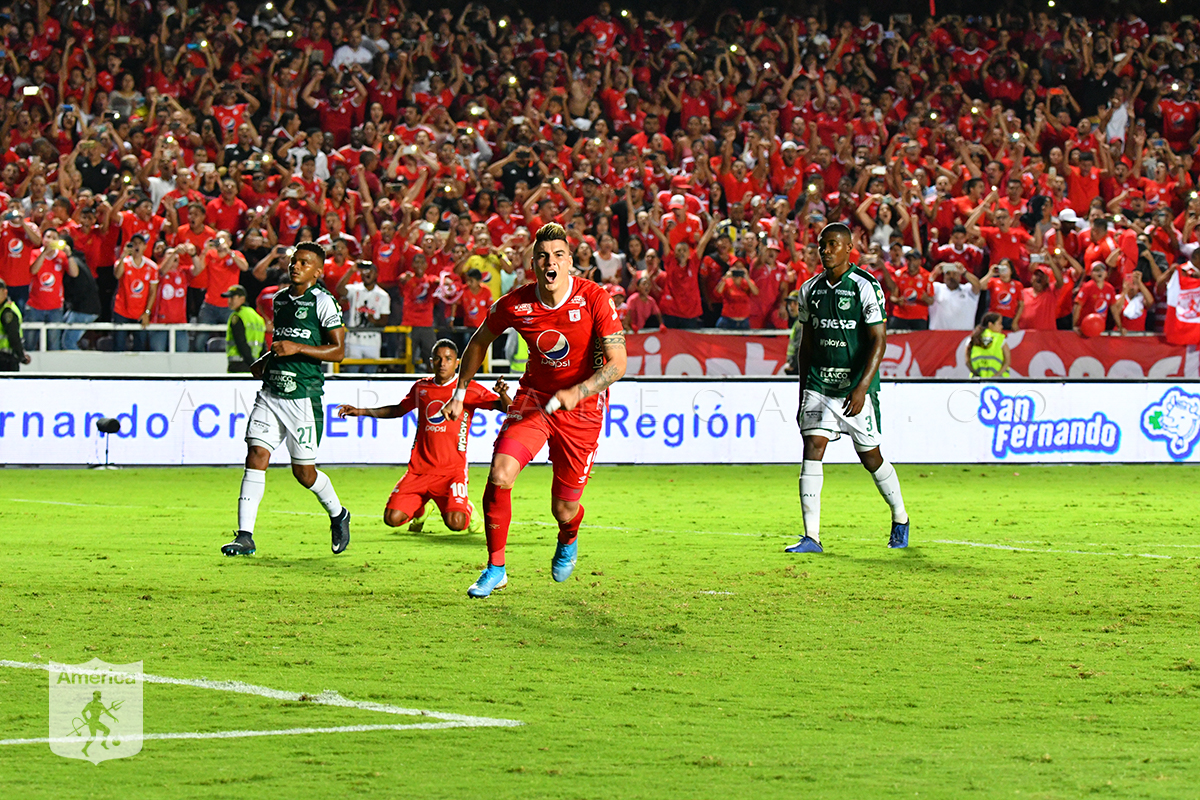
[157,156]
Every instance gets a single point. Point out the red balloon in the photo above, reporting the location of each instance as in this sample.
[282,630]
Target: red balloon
[1092,325]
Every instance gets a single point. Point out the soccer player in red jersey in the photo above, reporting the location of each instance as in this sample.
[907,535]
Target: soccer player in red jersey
[437,468]
[577,350]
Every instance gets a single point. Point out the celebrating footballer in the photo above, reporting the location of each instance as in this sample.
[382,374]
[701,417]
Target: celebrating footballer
[577,350]
[841,348]
[437,468]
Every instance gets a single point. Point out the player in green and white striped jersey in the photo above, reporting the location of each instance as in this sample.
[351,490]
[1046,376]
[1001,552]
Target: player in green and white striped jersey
[841,348]
[308,333]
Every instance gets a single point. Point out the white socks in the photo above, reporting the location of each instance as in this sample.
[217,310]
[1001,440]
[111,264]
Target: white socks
[323,489]
[812,475]
[254,483]
[888,484]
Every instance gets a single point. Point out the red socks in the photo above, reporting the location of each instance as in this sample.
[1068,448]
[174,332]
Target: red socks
[569,531]
[497,514]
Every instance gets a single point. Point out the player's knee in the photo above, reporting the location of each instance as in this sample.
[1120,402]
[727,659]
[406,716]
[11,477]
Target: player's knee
[871,459]
[504,471]
[501,479]
[305,474]
[393,518]
[564,510]
[814,448]
[455,521]
[257,457]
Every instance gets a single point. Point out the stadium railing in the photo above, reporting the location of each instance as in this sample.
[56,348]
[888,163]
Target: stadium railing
[108,327]
[403,361]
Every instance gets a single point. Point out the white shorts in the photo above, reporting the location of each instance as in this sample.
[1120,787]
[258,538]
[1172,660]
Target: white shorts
[363,344]
[823,416]
[300,422]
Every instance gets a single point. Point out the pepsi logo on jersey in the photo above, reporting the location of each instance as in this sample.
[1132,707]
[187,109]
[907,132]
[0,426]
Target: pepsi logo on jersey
[554,348]
[435,416]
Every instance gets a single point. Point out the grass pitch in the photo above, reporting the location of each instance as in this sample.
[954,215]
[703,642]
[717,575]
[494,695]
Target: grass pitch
[687,658]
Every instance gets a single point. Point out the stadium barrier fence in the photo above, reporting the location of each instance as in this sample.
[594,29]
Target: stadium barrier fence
[201,420]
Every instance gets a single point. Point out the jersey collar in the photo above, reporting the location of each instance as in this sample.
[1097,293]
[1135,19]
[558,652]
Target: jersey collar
[825,276]
[570,291]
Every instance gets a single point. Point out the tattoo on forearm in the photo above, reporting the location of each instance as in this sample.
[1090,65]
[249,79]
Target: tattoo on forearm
[607,376]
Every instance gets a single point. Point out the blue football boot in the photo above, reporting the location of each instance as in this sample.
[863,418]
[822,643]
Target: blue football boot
[563,563]
[805,545]
[491,579]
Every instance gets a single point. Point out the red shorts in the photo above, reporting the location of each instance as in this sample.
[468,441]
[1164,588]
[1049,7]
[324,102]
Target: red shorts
[573,436]
[414,491]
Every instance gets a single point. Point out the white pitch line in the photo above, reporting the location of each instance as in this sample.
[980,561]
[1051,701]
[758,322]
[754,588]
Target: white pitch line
[425,726]
[990,546]
[326,698]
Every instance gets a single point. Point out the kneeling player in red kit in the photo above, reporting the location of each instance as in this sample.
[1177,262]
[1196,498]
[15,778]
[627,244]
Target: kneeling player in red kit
[576,351]
[437,468]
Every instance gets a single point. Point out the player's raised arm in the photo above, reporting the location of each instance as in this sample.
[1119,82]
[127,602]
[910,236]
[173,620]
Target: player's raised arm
[382,412]
[472,360]
[612,371]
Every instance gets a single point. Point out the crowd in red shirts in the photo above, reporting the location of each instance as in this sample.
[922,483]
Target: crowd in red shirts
[693,162]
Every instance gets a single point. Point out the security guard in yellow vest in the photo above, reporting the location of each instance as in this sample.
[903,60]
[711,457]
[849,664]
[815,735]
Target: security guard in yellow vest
[988,355]
[518,354]
[245,332]
[12,350]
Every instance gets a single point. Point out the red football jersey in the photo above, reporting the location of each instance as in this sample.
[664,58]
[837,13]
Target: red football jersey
[1095,299]
[475,306]
[46,289]
[172,296]
[134,287]
[910,288]
[16,257]
[1003,296]
[564,341]
[440,447]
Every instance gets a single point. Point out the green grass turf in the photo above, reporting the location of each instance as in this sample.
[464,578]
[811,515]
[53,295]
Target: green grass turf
[679,661]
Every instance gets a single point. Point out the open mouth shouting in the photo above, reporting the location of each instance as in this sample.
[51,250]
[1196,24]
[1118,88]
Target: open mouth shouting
[551,275]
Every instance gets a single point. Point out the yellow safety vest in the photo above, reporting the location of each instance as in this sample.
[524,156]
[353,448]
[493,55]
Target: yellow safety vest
[987,360]
[256,333]
[520,356]
[5,345]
